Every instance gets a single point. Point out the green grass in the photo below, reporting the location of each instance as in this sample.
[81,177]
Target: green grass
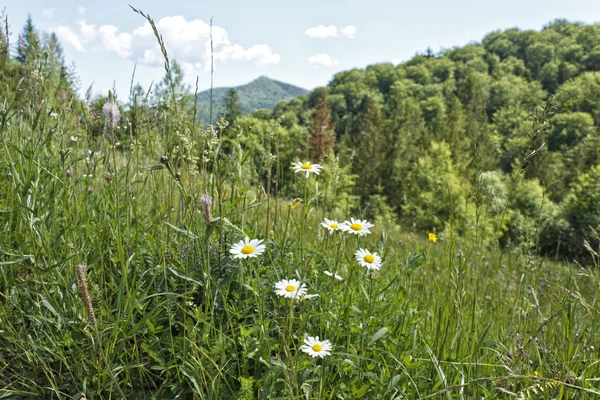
[177,317]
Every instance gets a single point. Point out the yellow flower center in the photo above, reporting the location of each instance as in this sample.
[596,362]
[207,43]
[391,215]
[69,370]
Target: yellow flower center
[306,166]
[369,258]
[356,227]
[247,249]
[317,347]
[334,226]
[290,288]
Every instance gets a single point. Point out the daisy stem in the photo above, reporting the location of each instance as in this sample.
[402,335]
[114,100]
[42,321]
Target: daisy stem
[282,245]
[322,378]
[337,261]
[368,314]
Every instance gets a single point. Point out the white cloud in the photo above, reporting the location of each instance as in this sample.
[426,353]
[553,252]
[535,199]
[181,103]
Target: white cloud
[48,13]
[329,31]
[188,42]
[322,31]
[321,60]
[65,34]
[112,40]
[348,31]
[397,61]
[81,10]
[260,53]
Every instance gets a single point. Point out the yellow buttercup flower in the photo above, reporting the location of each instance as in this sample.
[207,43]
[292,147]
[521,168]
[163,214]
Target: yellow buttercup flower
[432,237]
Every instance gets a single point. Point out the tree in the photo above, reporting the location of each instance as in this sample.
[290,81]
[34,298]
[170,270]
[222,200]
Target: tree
[369,156]
[322,135]
[176,86]
[231,106]
[29,43]
[4,55]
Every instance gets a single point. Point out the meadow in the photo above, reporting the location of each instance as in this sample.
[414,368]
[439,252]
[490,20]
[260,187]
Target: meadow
[144,256]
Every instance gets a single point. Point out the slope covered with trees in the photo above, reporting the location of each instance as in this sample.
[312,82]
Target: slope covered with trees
[450,138]
[261,93]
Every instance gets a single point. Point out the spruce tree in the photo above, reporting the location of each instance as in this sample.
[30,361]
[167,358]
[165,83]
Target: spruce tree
[321,129]
[231,105]
[29,43]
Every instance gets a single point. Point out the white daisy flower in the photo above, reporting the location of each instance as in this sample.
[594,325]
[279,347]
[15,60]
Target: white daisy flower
[316,348]
[74,138]
[306,167]
[290,288]
[367,259]
[247,248]
[331,225]
[357,226]
[328,273]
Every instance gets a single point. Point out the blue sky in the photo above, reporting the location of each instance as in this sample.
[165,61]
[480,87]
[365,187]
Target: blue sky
[302,42]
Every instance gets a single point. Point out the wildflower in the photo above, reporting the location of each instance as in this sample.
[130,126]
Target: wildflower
[331,225]
[85,295]
[432,237]
[357,226]
[367,259]
[247,248]
[316,348]
[74,138]
[68,173]
[206,202]
[290,288]
[336,276]
[294,203]
[90,190]
[306,167]
[108,176]
[111,111]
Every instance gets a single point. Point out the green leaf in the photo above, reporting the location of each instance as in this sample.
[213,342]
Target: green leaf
[154,167]
[181,230]
[181,275]
[49,306]
[438,369]
[378,335]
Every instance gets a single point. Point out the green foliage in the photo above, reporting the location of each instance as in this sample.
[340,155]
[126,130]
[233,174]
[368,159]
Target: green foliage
[581,212]
[476,102]
[117,280]
[231,106]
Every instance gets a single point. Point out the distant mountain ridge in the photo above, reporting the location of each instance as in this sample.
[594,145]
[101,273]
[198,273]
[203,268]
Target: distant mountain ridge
[262,92]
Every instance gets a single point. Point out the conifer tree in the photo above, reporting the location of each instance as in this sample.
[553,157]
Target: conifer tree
[231,105]
[369,161]
[321,130]
[29,43]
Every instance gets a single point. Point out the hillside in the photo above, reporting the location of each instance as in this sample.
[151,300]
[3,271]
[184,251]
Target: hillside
[444,138]
[262,92]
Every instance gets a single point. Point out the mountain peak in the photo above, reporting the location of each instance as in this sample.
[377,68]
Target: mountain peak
[262,92]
